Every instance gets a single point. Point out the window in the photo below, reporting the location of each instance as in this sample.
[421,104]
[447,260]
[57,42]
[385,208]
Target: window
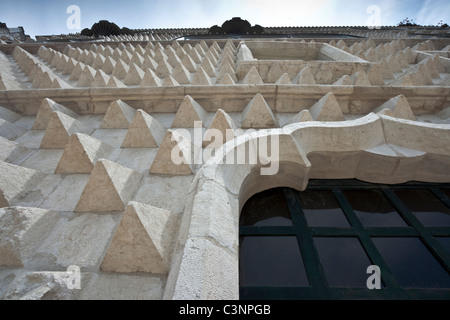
[318,244]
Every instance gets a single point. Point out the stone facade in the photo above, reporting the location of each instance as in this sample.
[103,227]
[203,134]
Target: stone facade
[87,131]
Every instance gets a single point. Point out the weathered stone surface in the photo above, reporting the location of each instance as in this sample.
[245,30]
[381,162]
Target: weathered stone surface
[142,242]
[397,107]
[9,115]
[174,155]
[224,124]
[257,114]
[189,112]
[45,113]
[109,188]
[118,116]
[327,109]
[150,79]
[252,77]
[81,153]
[23,231]
[305,77]
[59,129]
[144,132]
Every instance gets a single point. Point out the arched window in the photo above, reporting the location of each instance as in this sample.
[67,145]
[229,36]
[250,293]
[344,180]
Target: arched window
[320,243]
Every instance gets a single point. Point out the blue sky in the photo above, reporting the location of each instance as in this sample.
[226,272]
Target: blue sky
[41,17]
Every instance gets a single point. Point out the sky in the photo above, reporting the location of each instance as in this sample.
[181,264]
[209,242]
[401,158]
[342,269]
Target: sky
[44,17]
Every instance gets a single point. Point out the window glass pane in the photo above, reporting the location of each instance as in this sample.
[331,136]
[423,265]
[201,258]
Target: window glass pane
[271,261]
[445,242]
[430,211]
[411,263]
[268,208]
[344,261]
[373,209]
[446,192]
[322,209]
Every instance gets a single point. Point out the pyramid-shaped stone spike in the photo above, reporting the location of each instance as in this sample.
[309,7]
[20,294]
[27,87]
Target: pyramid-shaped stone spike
[139,49]
[160,55]
[208,67]
[420,75]
[180,51]
[169,81]
[9,130]
[345,80]
[187,47]
[305,76]
[126,56]
[204,45]
[189,112]
[397,107]
[193,53]
[137,59]
[134,76]
[201,78]
[98,62]
[360,78]
[59,129]
[393,63]
[43,80]
[150,79]
[181,74]
[225,124]
[45,113]
[211,58]
[62,63]
[275,72]
[172,57]
[226,68]
[109,65]
[60,84]
[109,188]
[302,116]
[432,67]
[24,230]
[216,46]
[118,116]
[117,53]
[130,48]
[164,69]
[149,62]
[374,75]
[81,153]
[87,77]
[76,73]
[140,241]
[144,132]
[227,59]
[284,79]
[174,155]
[70,66]
[115,83]
[90,58]
[227,80]
[189,63]
[252,77]
[200,50]
[403,81]
[402,60]
[327,109]
[120,70]
[9,115]
[55,59]
[257,114]
[386,72]
[230,44]
[101,79]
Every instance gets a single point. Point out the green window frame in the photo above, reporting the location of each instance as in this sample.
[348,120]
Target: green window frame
[319,287]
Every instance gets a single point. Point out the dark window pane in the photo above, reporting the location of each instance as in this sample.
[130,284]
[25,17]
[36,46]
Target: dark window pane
[322,209]
[446,192]
[268,208]
[271,261]
[373,209]
[445,242]
[344,261]
[430,211]
[411,263]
